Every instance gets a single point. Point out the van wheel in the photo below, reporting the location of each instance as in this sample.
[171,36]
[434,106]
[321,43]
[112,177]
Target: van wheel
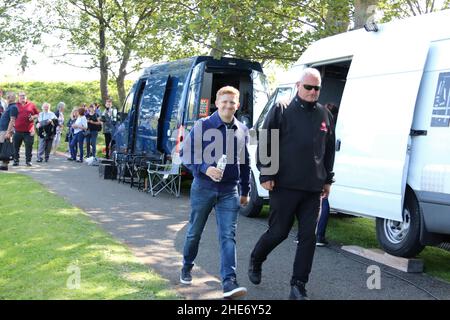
[254,206]
[402,239]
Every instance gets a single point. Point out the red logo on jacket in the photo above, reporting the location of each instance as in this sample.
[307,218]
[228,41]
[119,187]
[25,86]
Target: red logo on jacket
[324,127]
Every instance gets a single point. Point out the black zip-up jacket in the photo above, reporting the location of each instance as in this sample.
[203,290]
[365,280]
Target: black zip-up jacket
[306,146]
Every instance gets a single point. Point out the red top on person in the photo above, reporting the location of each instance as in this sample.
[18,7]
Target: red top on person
[27,109]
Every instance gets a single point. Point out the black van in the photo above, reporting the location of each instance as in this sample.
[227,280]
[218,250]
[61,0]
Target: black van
[169,97]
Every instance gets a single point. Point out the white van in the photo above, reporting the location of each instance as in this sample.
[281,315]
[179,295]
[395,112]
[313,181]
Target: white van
[392,162]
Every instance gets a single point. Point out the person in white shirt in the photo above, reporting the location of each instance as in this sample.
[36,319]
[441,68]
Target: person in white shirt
[46,126]
[79,128]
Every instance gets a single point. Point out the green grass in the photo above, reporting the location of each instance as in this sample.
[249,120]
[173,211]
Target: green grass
[348,230]
[44,240]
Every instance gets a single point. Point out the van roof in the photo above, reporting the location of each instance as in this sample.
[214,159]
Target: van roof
[187,63]
[433,26]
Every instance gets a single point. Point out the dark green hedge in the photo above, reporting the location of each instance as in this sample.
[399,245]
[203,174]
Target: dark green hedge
[72,93]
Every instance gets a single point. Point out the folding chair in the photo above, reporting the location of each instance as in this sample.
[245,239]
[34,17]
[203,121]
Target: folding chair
[164,177]
[120,163]
[139,172]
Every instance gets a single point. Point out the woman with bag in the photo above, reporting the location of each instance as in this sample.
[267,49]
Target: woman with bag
[79,127]
[47,122]
[7,122]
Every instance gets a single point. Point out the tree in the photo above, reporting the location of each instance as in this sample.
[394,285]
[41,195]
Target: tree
[113,34]
[364,11]
[406,8]
[263,30]
[15,29]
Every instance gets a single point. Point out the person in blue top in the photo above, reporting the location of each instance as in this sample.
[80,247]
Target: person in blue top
[7,122]
[211,138]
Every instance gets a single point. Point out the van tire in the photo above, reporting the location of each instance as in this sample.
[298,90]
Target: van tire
[254,206]
[402,239]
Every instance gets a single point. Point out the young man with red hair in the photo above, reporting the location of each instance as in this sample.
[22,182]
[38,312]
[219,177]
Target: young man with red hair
[212,138]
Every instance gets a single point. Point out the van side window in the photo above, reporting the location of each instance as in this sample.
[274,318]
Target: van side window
[279,94]
[128,102]
[194,93]
[441,107]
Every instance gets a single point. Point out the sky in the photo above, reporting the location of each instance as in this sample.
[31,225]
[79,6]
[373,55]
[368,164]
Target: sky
[43,70]
[43,67]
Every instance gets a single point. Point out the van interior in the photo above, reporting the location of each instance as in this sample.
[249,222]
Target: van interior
[213,80]
[334,78]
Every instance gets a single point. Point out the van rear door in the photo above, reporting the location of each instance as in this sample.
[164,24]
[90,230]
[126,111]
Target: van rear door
[150,111]
[260,93]
[374,124]
[198,107]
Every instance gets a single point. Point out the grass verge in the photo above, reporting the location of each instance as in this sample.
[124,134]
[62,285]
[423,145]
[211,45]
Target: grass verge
[346,230]
[52,250]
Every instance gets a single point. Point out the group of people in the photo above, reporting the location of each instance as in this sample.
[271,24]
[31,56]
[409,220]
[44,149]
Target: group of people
[298,187]
[20,121]
[302,177]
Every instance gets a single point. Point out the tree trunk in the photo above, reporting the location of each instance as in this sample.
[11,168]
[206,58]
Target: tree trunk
[120,81]
[337,17]
[364,12]
[103,58]
[217,50]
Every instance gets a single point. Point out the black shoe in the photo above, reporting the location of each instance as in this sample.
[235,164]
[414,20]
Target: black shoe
[232,290]
[4,168]
[80,161]
[254,271]
[39,160]
[16,163]
[29,164]
[185,276]
[46,160]
[321,242]
[70,159]
[298,291]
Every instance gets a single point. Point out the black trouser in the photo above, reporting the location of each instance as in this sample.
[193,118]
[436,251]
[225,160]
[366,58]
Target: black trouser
[107,143]
[285,205]
[17,141]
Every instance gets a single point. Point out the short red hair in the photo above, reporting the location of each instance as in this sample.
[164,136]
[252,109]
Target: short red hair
[227,90]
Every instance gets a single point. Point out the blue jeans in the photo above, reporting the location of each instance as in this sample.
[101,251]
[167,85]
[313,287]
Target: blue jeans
[77,140]
[323,220]
[91,142]
[226,206]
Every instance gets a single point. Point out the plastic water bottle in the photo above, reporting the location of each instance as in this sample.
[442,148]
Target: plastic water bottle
[221,164]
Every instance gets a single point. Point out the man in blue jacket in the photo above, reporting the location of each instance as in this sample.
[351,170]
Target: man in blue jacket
[211,138]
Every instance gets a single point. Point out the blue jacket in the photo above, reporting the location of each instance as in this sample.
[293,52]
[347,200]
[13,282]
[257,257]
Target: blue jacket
[198,157]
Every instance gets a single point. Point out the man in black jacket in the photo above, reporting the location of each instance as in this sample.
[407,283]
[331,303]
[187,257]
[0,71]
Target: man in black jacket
[306,155]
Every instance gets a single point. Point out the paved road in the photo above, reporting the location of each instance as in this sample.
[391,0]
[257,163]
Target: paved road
[154,229]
